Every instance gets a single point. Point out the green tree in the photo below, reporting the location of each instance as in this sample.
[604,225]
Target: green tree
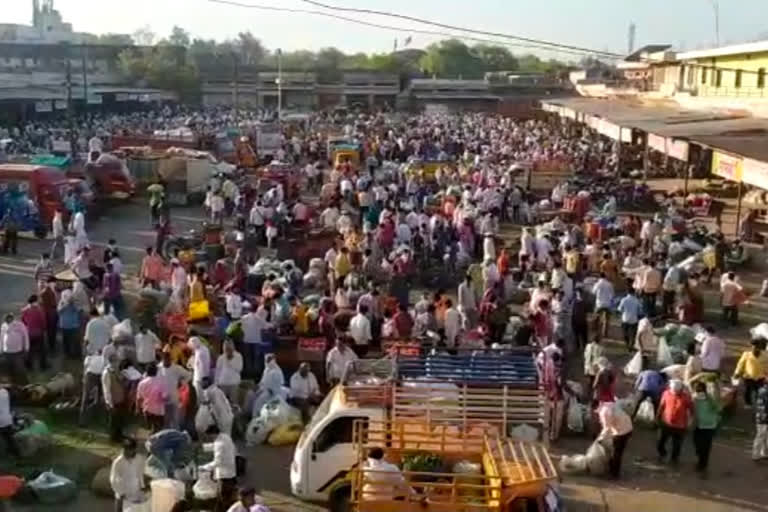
[495,58]
[250,48]
[161,67]
[179,37]
[113,40]
[144,36]
[451,58]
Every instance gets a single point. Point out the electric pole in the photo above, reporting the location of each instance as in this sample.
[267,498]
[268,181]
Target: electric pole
[84,55]
[236,90]
[279,85]
[70,113]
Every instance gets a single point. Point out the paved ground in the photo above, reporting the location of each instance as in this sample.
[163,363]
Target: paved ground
[735,483]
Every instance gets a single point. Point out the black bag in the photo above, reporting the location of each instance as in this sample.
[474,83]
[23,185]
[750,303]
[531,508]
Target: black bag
[240,466]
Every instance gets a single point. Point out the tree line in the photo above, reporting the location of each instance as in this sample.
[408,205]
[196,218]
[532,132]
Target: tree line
[161,64]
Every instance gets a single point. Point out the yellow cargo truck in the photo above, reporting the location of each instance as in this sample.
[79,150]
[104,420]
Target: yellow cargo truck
[475,470]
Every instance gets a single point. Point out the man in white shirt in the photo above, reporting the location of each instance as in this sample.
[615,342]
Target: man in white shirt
[248,502]
[253,325]
[229,366]
[305,391]
[57,230]
[179,282]
[127,476]
[173,375]
[201,363]
[467,302]
[6,423]
[336,361]
[360,330]
[383,480]
[223,467]
[14,346]
[712,351]
[218,405]
[93,368]
[97,333]
[329,217]
[451,324]
[234,305]
[603,292]
[147,344]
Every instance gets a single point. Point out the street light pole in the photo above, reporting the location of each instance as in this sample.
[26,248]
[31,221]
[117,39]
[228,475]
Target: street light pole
[716,8]
[279,85]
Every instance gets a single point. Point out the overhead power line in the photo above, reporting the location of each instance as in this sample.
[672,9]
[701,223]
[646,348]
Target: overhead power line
[554,46]
[235,3]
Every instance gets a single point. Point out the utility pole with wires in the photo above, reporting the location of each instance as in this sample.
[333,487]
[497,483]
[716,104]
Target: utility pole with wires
[70,113]
[84,57]
[716,8]
[279,85]
[236,88]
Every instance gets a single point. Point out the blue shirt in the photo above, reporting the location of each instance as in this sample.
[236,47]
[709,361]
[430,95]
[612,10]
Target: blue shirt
[650,381]
[630,309]
[69,317]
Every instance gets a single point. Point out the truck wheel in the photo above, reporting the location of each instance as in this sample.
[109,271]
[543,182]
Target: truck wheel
[339,501]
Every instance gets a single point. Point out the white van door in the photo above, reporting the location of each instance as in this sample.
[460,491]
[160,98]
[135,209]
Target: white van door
[332,454]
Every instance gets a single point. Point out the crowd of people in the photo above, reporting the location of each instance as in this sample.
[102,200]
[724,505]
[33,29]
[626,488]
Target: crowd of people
[399,227]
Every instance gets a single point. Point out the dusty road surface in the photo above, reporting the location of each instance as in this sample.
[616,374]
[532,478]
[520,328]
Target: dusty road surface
[734,484]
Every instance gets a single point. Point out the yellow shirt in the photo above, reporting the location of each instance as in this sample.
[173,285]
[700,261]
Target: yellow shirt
[750,367]
[342,267]
[572,262]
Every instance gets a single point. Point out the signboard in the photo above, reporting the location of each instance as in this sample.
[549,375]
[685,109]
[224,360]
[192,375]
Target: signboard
[677,149]
[755,173]
[43,106]
[626,135]
[609,129]
[727,166]
[95,99]
[60,104]
[657,143]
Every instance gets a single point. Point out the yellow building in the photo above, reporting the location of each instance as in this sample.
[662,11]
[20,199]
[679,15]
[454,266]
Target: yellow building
[731,71]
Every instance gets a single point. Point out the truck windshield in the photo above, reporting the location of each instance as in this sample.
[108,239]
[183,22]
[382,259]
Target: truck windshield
[321,412]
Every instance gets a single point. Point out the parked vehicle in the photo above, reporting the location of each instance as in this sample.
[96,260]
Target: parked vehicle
[448,468]
[489,388]
[46,187]
[107,176]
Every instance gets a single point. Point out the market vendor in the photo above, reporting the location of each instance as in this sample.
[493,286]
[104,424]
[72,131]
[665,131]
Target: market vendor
[304,391]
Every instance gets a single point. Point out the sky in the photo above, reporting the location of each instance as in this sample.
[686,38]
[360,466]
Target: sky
[596,24]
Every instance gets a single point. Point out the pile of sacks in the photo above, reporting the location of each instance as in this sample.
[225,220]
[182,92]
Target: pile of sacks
[315,278]
[276,423]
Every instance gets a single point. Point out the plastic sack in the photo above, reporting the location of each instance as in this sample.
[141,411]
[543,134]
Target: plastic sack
[34,438]
[123,331]
[257,432]
[285,434]
[203,419]
[663,354]
[52,489]
[205,488]
[646,413]
[278,412]
[598,455]
[465,467]
[155,469]
[100,485]
[759,331]
[198,310]
[635,365]
[573,464]
[575,417]
[524,432]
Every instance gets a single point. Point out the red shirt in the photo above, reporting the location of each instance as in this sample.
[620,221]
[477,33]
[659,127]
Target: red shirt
[34,318]
[675,408]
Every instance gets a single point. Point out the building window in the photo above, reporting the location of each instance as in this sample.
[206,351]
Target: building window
[703,76]
[681,76]
[761,78]
[718,77]
[737,81]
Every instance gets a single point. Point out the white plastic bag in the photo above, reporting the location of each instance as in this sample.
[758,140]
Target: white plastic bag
[645,412]
[598,455]
[575,419]
[759,331]
[635,365]
[524,432]
[203,419]
[123,331]
[573,464]
[663,354]
[205,488]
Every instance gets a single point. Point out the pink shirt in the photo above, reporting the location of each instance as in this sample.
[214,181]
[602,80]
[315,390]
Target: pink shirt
[152,394]
[152,268]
